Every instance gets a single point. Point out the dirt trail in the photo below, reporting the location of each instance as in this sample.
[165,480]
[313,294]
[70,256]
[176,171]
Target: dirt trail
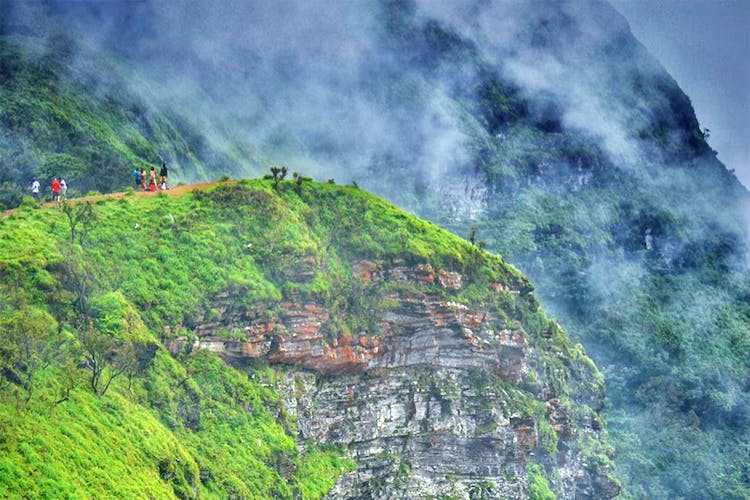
[175,191]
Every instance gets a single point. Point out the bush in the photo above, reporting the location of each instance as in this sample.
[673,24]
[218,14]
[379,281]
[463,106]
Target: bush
[538,485]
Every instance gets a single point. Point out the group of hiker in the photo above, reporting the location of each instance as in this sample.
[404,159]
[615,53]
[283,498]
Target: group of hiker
[58,186]
[147,180]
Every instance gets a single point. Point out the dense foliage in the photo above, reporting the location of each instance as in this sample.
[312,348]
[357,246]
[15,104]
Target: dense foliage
[640,248]
[639,264]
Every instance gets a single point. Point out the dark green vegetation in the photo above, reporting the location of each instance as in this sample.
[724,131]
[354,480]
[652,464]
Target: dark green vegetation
[92,401]
[606,193]
[646,265]
[644,261]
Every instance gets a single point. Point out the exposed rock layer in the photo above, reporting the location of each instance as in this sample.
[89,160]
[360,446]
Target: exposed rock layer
[439,401]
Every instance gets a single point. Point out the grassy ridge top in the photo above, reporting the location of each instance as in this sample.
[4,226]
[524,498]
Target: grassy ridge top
[191,425]
[167,253]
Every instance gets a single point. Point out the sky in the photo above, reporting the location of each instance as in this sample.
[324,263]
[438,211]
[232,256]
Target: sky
[705,46]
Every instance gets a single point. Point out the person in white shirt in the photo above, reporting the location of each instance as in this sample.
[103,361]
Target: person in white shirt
[63,188]
[35,186]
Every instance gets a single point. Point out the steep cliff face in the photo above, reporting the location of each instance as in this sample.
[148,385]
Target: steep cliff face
[586,167]
[368,334]
[447,399]
[437,381]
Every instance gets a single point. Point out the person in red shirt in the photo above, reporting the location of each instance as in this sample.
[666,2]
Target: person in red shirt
[56,188]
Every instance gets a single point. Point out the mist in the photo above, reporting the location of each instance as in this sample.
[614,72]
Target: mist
[390,95]
[325,88]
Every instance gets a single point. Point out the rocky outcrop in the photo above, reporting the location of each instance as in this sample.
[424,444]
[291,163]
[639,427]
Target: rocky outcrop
[447,397]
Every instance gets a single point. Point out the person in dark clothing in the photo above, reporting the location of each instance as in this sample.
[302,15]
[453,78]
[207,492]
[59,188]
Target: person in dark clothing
[163,175]
[137,177]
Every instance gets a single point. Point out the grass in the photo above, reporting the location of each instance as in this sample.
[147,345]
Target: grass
[538,485]
[684,333]
[137,442]
[176,250]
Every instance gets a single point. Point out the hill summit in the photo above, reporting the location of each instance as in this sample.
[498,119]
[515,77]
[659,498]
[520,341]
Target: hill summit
[262,338]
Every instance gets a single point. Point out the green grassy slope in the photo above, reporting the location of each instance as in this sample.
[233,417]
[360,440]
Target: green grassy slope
[190,425]
[668,325]
[136,441]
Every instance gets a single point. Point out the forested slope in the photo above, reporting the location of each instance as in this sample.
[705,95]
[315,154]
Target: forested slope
[91,123]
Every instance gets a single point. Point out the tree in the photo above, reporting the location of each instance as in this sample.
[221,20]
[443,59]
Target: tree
[298,180]
[11,195]
[80,218]
[114,342]
[32,341]
[111,339]
[278,174]
[78,279]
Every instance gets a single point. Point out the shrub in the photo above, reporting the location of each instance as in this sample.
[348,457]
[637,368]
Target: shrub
[538,485]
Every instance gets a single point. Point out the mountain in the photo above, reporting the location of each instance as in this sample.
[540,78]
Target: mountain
[364,347]
[544,131]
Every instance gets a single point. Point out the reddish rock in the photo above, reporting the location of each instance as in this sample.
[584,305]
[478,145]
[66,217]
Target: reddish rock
[302,343]
[559,417]
[421,274]
[365,270]
[419,395]
[460,314]
[424,274]
[253,349]
[525,437]
[450,280]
